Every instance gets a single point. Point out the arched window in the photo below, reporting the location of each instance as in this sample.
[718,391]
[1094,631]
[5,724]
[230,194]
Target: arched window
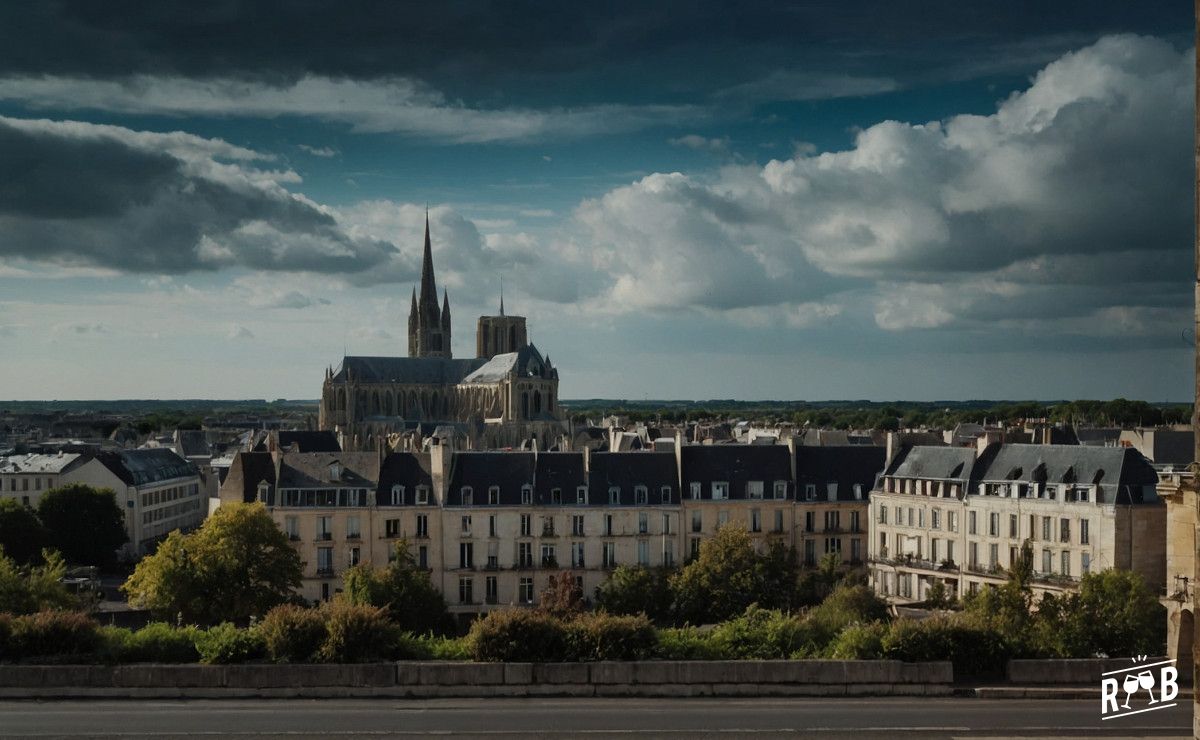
[537,402]
[524,404]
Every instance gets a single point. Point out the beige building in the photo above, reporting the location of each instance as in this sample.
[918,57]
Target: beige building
[1179,491]
[962,515]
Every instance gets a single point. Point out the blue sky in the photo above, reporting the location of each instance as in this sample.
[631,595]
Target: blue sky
[789,201]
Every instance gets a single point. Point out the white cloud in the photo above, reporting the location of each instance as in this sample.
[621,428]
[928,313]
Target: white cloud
[395,104]
[318,151]
[702,144]
[237,331]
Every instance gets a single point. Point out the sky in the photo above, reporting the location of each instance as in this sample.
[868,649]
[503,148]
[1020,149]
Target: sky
[801,201]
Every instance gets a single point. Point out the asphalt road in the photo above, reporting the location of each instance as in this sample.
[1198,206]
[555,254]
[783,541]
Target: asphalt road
[685,718]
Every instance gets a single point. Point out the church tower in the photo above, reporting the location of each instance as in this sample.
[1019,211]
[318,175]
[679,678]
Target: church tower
[428,325]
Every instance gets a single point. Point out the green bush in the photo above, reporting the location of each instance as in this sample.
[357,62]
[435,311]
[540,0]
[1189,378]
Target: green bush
[446,648]
[6,621]
[611,637]
[157,642]
[358,633]
[974,650]
[858,642]
[518,635]
[53,633]
[848,605]
[225,643]
[293,634]
[767,633]
[689,643]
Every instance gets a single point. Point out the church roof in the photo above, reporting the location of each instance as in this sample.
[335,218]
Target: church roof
[431,370]
[509,364]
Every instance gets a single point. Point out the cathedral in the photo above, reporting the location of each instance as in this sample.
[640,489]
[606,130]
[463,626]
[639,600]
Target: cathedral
[505,396]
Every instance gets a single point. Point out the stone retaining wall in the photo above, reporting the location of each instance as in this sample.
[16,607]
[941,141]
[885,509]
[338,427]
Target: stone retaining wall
[1075,672]
[458,679]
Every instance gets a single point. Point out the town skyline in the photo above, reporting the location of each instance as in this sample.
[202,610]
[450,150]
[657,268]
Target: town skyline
[812,208]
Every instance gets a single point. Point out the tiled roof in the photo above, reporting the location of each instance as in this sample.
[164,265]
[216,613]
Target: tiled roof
[428,370]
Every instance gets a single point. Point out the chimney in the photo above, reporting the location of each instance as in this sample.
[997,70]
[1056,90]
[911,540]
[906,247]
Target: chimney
[893,441]
[989,437]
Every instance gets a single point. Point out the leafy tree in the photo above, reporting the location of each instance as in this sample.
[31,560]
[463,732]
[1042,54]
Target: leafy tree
[722,581]
[34,588]
[1113,614]
[637,590]
[21,532]
[563,598]
[777,571]
[402,588]
[86,524]
[239,564]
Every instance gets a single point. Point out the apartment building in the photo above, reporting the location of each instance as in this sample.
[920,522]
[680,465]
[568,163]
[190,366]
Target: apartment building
[962,515]
[24,478]
[493,527]
[1181,493]
[833,487]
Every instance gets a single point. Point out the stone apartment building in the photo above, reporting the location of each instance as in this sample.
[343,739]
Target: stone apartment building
[494,527]
[961,515]
[157,490]
[1179,491]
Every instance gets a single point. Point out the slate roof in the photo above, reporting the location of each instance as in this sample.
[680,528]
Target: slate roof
[312,470]
[846,466]
[193,443]
[562,470]
[736,464]
[145,466]
[480,470]
[627,470]
[425,370]
[408,469]
[305,441]
[937,463]
[34,463]
[511,364]
[1121,474]
[245,473]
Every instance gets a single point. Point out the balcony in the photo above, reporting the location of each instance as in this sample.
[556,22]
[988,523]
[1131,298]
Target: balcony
[548,532]
[549,562]
[292,536]
[324,536]
[325,572]
[491,600]
[523,564]
[355,537]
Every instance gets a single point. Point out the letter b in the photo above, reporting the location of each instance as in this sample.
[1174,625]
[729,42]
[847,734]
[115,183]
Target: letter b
[1168,684]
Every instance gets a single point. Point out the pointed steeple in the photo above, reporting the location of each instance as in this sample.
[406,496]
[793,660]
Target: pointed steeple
[445,305]
[501,295]
[428,284]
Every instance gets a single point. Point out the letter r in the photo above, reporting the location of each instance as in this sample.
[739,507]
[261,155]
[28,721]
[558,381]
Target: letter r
[1108,695]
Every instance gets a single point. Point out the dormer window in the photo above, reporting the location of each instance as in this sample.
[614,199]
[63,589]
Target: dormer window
[263,490]
[720,490]
[493,495]
[581,495]
[397,495]
[335,471]
[526,494]
[666,494]
[556,495]
[780,490]
[694,490]
[614,495]
[468,496]
[639,495]
[422,495]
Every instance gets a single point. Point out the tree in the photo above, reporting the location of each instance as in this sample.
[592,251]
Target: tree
[637,590]
[22,535]
[239,564]
[402,588]
[777,571]
[1113,614]
[721,582]
[563,597]
[86,525]
[33,588]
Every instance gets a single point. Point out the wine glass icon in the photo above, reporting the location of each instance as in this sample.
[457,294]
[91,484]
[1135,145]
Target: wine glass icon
[1146,681]
[1130,684]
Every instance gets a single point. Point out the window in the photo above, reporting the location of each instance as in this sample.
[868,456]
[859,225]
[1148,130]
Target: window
[921,518]
[994,556]
[614,496]
[581,495]
[422,525]
[754,489]
[934,547]
[810,492]
[291,525]
[950,550]
[556,495]
[973,555]
[694,490]
[324,561]
[722,518]
[577,560]
[493,555]
[668,553]
[491,592]
[780,490]
[1064,530]
[810,553]
[325,528]
[643,549]
[952,521]
[353,530]
[391,528]
[883,515]
[466,525]
[779,521]
[935,519]
[468,496]
[525,591]
[492,525]
[994,524]
[423,556]
[1046,528]
[493,495]
[1085,562]
[608,525]
[526,495]
[547,526]
[694,550]
[524,554]
[971,522]
[526,525]
[1013,527]
[854,525]
[549,557]
[1066,563]
[397,496]
[1047,561]
[833,545]
[464,590]
[755,520]
[639,495]
[720,490]
[355,556]
[643,523]
[855,550]
[858,491]
[665,495]
[910,516]
[697,521]
[1084,538]
[466,555]
[809,519]
[610,555]
[833,521]
[577,525]
[422,495]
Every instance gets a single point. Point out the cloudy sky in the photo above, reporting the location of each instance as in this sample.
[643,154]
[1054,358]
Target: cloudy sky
[818,200]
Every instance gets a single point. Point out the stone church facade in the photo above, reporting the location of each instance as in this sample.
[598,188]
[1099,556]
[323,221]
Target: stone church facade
[505,396]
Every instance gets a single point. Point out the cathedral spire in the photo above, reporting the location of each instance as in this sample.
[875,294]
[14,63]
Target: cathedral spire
[428,284]
[501,295]
[445,305]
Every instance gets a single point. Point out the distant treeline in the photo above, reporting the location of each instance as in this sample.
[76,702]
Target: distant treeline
[889,415]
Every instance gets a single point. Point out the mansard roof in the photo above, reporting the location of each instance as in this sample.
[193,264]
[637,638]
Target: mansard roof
[406,469]
[627,470]
[142,467]
[1119,473]
[735,464]
[313,470]
[524,363]
[481,470]
[562,470]
[938,463]
[846,466]
[416,370]
[246,472]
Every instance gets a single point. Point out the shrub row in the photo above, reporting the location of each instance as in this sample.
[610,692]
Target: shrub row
[518,635]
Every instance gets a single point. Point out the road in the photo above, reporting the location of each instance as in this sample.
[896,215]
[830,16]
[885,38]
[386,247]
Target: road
[595,718]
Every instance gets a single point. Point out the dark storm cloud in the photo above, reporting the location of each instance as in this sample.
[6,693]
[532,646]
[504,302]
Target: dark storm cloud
[107,196]
[465,47]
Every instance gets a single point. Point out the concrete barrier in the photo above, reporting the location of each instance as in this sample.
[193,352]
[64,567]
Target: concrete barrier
[428,679]
[1071,672]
